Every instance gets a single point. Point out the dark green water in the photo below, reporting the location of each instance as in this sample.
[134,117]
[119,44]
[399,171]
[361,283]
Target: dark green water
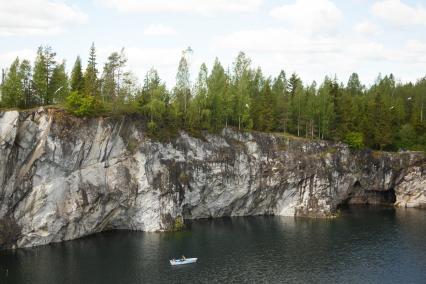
[363,246]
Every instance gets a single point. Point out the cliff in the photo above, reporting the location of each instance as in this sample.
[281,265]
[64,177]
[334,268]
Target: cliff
[63,177]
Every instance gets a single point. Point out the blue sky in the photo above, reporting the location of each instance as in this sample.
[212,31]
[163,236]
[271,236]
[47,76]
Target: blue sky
[314,38]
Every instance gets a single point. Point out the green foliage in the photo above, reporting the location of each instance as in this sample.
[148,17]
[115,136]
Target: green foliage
[179,224]
[112,79]
[407,136]
[152,127]
[386,116]
[182,90]
[90,78]
[77,82]
[42,75]
[12,89]
[58,85]
[16,88]
[355,140]
[82,105]
[216,114]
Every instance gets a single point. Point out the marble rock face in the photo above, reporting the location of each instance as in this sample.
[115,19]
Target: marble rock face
[63,177]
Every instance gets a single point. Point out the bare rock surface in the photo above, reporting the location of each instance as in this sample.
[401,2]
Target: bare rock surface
[63,177]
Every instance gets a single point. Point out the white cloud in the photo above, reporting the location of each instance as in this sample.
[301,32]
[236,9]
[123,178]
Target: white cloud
[313,16]
[175,6]
[159,30]
[398,13]
[316,56]
[6,58]
[37,17]
[367,51]
[367,28]
[141,59]
[414,52]
[278,40]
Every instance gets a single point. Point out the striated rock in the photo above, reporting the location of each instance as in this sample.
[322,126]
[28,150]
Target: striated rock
[62,177]
[411,187]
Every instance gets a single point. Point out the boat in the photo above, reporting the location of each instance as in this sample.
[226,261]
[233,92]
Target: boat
[183,261]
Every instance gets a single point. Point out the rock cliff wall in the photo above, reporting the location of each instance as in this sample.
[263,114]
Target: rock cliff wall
[63,177]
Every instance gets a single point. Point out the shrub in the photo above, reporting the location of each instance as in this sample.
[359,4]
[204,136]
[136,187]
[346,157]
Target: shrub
[355,140]
[82,105]
[152,127]
[179,224]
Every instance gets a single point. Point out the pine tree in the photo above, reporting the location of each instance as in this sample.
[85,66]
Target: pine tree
[256,83]
[216,84]
[382,127]
[293,83]
[12,89]
[266,119]
[91,84]
[338,124]
[154,99]
[41,72]
[112,76]
[25,75]
[354,86]
[183,86]
[296,92]
[58,86]
[77,81]
[280,106]
[309,110]
[326,113]
[199,114]
[241,85]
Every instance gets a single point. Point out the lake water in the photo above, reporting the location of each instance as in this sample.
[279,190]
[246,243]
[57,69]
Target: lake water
[362,246]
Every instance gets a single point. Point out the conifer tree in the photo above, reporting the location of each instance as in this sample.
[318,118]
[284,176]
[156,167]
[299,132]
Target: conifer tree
[25,75]
[91,84]
[199,114]
[112,76]
[241,85]
[58,86]
[216,84]
[183,88]
[154,97]
[280,105]
[77,81]
[266,119]
[12,89]
[43,68]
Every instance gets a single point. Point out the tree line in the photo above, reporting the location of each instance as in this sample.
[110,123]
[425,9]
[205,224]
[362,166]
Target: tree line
[388,115]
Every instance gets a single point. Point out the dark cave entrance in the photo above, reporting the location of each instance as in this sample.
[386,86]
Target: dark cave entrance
[359,196]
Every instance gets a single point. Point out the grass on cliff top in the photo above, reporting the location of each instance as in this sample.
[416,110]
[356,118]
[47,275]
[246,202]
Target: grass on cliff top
[168,130]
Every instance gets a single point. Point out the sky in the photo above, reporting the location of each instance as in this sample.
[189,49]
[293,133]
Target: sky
[314,38]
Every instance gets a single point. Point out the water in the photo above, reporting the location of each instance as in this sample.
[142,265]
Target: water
[363,246]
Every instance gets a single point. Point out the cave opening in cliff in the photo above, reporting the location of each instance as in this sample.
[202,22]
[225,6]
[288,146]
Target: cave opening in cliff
[359,196]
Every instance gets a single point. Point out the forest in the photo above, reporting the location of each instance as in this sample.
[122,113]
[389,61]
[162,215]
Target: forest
[388,115]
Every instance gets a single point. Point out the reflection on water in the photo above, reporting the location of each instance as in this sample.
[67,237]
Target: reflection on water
[363,245]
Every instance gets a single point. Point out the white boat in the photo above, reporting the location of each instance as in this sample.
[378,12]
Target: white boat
[183,261]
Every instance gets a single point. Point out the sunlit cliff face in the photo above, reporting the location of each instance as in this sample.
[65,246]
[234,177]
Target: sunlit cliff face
[63,178]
